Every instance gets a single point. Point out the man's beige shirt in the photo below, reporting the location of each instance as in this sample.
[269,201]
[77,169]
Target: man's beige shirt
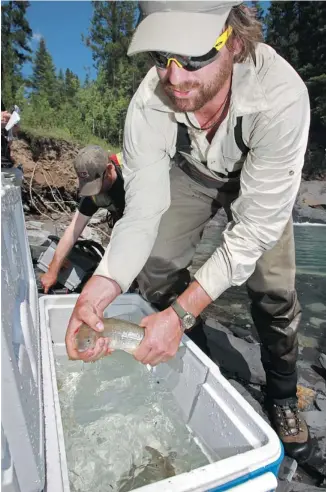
[274,104]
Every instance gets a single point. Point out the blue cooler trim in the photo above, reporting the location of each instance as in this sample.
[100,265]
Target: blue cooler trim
[273,468]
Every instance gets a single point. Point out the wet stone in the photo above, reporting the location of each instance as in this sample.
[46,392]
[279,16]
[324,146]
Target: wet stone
[249,398]
[287,469]
[321,405]
[236,356]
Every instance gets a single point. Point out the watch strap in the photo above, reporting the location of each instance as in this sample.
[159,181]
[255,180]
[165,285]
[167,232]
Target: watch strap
[178,309]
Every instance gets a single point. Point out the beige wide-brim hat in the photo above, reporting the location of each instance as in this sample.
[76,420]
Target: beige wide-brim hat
[187,28]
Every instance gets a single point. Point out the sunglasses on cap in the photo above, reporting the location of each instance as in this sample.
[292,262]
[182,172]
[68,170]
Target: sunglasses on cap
[191,63]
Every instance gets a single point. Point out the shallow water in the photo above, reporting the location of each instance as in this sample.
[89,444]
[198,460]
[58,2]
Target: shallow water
[122,427]
[233,306]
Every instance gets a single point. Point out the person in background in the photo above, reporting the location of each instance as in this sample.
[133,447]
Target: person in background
[220,121]
[100,186]
[6,157]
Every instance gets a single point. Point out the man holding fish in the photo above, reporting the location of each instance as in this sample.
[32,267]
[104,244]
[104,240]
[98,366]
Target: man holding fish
[221,120]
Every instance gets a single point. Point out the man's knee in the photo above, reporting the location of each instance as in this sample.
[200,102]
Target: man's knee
[277,315]
[277,304]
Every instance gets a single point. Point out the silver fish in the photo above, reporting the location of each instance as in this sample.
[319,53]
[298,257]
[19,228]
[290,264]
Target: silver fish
[158,467]
[122,335]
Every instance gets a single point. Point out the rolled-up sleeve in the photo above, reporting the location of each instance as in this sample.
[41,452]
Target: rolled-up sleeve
[270,181]
[147,185]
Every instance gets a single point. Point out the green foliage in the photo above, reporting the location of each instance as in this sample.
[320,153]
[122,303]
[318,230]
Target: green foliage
[297,30]
[71,86]
[94,111]
[44,80]
[15,50]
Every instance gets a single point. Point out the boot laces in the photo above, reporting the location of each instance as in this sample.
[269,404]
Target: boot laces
[286,413]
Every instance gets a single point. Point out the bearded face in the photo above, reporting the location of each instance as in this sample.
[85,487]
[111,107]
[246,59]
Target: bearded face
[190,91]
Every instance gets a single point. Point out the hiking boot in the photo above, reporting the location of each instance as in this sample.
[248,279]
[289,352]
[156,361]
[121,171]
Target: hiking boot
[291,428]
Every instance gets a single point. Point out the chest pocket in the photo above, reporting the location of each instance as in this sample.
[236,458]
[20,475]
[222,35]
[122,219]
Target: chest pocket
[235,162]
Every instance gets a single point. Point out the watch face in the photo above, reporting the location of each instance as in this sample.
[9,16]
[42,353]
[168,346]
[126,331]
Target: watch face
[188,321]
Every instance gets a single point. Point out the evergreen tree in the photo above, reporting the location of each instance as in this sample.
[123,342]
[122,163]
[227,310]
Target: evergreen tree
[44,79]
[72,84]
[15,50]
[110,33]
[282,30]
[312,66]
[297,30]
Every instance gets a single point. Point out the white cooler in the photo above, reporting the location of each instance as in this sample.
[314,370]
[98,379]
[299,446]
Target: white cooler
[33,448]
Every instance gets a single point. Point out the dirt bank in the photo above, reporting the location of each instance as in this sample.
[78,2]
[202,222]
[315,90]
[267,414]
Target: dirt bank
[50,177]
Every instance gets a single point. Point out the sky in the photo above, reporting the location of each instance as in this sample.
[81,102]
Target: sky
[61,23]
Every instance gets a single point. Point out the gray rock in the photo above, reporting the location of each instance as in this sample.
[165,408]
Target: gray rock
[249,398]
[315,419]
[89,233]
[320,387]
[33,224]
[317,431]
[297,487]
[322,360]
[98,217]
[37,238]
[287,469]
[216,325]
[243,333]
[236,356]
[321,405]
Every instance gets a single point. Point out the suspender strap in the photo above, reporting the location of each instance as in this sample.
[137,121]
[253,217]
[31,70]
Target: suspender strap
[238,136]
[184,144]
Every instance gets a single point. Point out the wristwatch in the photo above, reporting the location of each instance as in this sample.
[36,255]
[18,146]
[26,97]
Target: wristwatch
[188,320]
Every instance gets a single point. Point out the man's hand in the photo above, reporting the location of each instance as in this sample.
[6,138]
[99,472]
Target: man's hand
[95,297]
[48,279]
[5,117]
[163,334]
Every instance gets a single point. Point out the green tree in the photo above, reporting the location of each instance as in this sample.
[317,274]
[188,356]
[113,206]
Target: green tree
[72,84]
[282,30]
[312,66]
[61,82]
[44,80]
[297,30]
[109,36]
[15,50]
[110,32]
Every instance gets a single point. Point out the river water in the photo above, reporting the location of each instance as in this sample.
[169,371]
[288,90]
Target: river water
[310,244]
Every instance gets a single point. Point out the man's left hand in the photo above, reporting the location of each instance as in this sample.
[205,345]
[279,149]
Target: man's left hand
[5,117]
[163,333]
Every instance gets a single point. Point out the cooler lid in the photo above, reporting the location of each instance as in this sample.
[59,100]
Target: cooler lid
[22,462]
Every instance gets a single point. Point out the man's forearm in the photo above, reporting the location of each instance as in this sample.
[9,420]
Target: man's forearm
[63,248]
[194,299]
[68,240]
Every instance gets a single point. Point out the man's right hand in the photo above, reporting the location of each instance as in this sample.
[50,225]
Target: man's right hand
[95,297]
[48,279]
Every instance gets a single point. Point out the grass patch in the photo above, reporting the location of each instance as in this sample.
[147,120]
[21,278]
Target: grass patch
[64,135]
